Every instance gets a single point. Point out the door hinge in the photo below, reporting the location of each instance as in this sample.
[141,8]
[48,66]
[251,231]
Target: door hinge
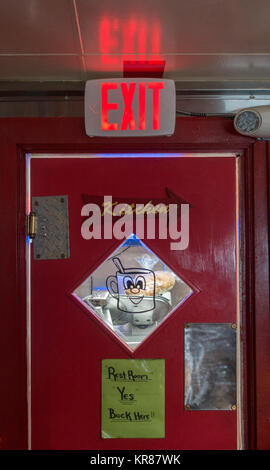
[31,225]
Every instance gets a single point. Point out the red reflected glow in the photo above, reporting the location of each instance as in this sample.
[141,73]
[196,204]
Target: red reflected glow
[135,38]
[156,86]
[129,33]
[108,40]
[105,107]
[142,40]
[156,39]
[128,118]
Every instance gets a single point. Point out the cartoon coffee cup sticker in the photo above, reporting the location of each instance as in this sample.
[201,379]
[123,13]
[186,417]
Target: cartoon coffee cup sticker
[134,288]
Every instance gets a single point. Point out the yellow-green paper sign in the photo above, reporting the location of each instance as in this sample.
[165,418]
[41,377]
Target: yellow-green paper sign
[133,398]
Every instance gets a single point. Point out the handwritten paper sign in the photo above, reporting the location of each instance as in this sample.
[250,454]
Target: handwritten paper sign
[133,398]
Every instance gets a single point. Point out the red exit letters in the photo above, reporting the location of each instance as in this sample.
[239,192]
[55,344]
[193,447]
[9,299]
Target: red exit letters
[128,92]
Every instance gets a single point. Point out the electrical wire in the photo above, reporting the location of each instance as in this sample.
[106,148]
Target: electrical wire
[186,113]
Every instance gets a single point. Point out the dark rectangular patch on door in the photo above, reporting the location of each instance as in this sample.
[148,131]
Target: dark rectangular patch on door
[52,237]
[210,366]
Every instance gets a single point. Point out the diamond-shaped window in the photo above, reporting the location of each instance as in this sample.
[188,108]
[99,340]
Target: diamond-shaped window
[132,291]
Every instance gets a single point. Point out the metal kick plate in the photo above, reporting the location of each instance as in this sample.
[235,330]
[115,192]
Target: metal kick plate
[210,366]
[52,238]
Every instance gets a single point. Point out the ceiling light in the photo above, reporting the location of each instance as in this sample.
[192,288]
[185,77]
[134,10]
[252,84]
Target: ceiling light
[254,122]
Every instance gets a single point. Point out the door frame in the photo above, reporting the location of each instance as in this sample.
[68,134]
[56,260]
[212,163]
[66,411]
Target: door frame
[19,136]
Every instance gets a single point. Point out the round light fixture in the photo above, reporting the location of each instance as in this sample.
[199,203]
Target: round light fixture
[254,122]
[247,121]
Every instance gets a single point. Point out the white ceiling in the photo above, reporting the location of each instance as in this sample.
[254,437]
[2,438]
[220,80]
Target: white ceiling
[211,40]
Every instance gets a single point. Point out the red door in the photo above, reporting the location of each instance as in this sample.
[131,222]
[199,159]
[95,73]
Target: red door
[103,298]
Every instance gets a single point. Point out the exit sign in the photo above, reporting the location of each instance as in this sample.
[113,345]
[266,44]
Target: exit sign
[126,107]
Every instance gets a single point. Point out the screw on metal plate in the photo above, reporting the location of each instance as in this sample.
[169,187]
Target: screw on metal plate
[234,326]
[234,407]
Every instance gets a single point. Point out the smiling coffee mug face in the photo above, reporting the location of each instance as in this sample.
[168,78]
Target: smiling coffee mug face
[136,290]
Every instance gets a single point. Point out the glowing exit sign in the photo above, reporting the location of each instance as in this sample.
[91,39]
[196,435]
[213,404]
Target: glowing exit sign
[124,107]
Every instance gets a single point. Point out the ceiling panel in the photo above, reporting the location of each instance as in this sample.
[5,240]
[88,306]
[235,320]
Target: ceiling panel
[41,68]
[193,67]
[174,26]
[38,26]
[79,39]
[218,67]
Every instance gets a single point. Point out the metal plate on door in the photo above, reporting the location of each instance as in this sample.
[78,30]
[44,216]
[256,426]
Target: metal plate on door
[210,366]
[52,237]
